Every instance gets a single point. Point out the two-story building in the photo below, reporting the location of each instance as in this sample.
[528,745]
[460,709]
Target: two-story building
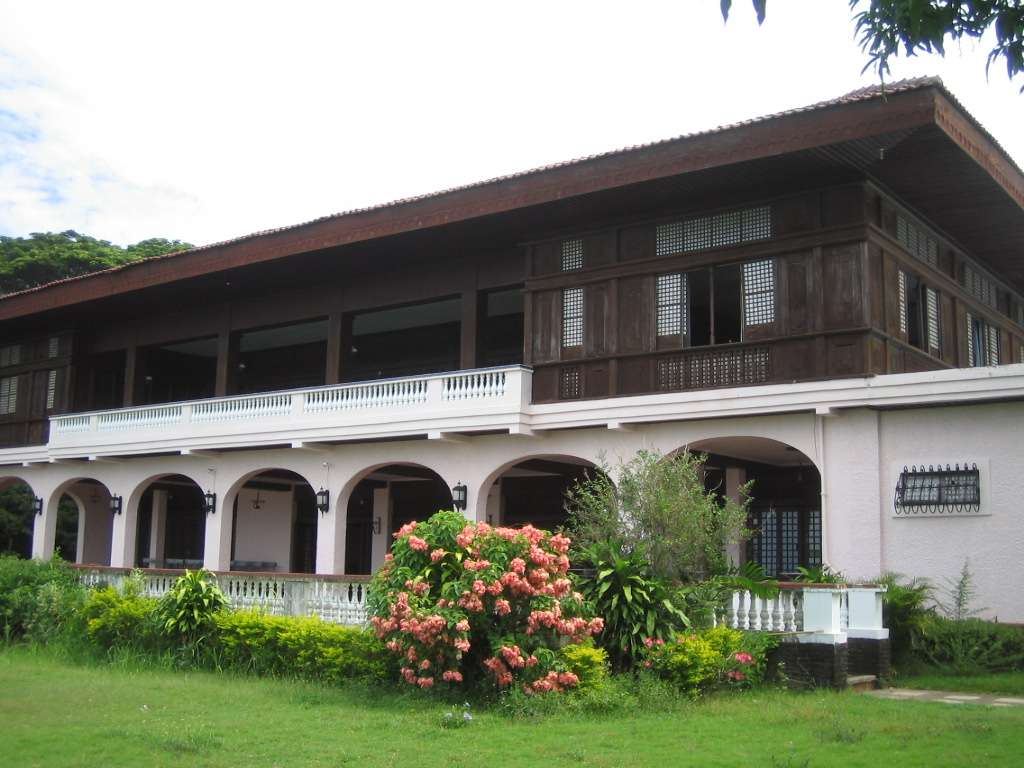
[826,301]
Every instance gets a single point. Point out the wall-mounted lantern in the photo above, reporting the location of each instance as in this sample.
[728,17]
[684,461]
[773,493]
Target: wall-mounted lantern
[210,502]
[376,526]
[37,505]
[323,500]
[459,493]
[115,505]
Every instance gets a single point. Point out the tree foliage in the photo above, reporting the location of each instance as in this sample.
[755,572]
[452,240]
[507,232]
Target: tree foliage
[661,508]
[887,28]
[43,257]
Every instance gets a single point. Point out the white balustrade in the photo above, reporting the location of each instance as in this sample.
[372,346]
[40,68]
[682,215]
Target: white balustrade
[433,403]
[338,601]
[819,609]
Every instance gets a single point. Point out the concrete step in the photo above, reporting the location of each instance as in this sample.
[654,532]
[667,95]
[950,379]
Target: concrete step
[862,682]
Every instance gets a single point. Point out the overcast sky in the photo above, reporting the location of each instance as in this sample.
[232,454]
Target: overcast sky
[205,121]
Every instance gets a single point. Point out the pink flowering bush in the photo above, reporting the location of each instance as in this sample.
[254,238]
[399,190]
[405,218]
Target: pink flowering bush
[461,602]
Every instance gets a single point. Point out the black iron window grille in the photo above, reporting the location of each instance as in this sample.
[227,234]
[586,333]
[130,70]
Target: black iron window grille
[938,490]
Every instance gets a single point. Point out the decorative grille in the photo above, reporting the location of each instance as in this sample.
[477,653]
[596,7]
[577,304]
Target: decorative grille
[814,539]
[10,355]
[706,370]
[572,255]
[672,305]
[759,292]
[790,540]
[902,287]
[763,545]
[920,244]
[717,231]
[572,317]
[938,490]
[934,325]
[54,347]
[569,383]
[51,390]
[9,394]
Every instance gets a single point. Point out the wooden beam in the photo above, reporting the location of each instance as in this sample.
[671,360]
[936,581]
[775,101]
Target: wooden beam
[335,339]
[470,320]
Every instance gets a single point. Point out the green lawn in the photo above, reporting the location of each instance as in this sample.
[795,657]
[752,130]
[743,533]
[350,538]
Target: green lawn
[1009,683]
[54,713]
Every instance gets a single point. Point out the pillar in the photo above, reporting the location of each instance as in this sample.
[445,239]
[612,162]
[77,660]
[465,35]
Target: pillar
[158,529]
[735,477]
[330,533]
[381,540]
[125,529]
[83,514]
[44,530]
[470,317]
[217,544]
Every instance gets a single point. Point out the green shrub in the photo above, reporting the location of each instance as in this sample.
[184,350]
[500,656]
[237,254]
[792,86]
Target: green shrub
[633,603]
[116,621]
[716,658]
[188,609]
[588,663]
[969,646]
[302,647]
[906,608]
[26,600]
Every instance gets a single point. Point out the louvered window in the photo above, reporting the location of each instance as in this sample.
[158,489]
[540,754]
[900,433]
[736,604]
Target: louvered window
[8,395]
[673,301]
[902,293]
[917,241]
[572,255]
[982,343]
[53,347]
[979,286]
[572,317]
[10,355]
[759,292]
[718,231]
[51,390]
[933,319]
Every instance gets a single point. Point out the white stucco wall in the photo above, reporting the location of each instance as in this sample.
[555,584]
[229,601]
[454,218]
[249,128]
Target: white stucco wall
[265,534]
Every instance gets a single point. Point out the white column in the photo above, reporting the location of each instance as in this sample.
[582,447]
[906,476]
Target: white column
[125,529]
[158,528]
[83,514]
[44,530]
[330,534]
[381,542]
[735,477]
[217,544]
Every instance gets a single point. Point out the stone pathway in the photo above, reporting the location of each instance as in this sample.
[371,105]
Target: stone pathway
[946,697]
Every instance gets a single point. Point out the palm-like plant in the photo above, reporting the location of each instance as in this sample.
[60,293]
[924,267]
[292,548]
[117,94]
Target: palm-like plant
[189,606]
[634,604]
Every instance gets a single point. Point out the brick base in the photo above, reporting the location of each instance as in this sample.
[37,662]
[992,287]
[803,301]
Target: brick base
[870,657]
[815,665]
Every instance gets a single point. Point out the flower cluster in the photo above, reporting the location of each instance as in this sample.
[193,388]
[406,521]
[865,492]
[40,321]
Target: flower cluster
[457,601]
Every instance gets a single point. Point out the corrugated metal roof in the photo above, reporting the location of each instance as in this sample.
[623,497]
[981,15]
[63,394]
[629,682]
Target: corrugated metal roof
[859,95]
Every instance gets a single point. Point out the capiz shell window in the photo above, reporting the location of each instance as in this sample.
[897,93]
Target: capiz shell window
[572,317]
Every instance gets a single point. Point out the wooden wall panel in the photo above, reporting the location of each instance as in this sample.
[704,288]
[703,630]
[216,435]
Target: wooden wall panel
[796,214]
[597,320]
[843,296]
[596,379]
[841,206]
[797,287]
[890,274]
[876,287]
[845,356]
[635,376]
[637,243]
[949,328]
[547,326]
[600,250]
[546,258]
[636,314]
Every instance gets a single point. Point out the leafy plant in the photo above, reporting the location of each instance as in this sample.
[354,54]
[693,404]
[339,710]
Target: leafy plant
[115,621]
[907,606]
[661,507]
[21,583]
[821,574]
[588,663]
[704,600]
[960,593]
[633,602]
[969,646]
[188,609]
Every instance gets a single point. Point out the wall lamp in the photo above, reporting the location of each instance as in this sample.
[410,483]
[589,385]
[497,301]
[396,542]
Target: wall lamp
[376,526]
[115,505]
[210,503]
[37,505]
[459,493]
[323,500]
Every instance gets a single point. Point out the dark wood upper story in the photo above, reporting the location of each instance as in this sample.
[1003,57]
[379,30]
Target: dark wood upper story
[857,237]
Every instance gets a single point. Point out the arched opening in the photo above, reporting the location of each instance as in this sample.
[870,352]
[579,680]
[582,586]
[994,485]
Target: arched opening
[785,507]
[385,499]
[274,523]
[532,491]
[17,516]
[84,523]
[171,526]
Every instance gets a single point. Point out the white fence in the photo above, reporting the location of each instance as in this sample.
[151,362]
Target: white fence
[817,610]
[479,399]
[341,600]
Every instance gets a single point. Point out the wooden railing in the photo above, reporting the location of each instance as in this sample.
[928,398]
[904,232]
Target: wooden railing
[337,599]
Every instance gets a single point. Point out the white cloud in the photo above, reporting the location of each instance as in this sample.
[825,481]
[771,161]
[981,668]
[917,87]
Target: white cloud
[210,120]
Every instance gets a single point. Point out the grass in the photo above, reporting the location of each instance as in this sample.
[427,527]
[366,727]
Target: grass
[56,713]
[1008,683]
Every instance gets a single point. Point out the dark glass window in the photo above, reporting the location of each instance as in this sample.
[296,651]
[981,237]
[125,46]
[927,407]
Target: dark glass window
[501,327]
